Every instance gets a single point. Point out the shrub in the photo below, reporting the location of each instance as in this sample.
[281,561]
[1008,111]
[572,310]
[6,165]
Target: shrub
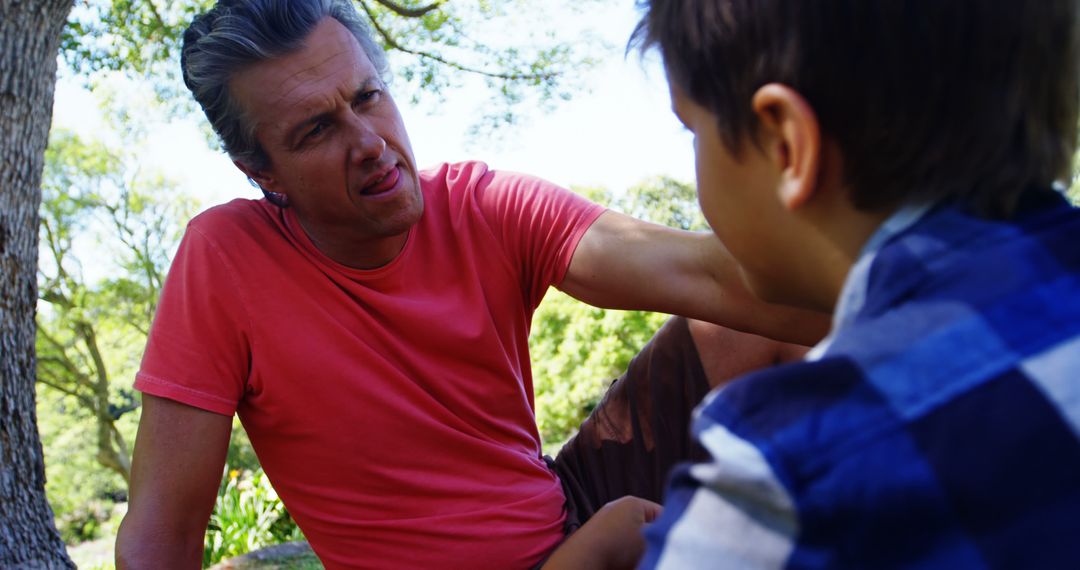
[248,515]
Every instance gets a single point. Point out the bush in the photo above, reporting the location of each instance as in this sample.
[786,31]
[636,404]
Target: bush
[577,351]
[82,493]
[248,515]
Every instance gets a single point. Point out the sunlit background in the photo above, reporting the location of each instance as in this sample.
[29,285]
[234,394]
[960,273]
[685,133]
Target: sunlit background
[616,131]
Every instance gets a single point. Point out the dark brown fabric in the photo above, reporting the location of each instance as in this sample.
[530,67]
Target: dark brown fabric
[615,453]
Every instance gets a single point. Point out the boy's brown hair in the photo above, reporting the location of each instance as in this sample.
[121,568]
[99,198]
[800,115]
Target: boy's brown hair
[968,99]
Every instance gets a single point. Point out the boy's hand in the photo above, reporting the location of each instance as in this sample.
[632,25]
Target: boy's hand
[611,539]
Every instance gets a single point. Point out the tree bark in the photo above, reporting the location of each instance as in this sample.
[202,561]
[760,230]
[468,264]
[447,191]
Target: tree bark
[29,40]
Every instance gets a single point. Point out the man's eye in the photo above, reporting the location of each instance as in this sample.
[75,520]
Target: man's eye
[368,96]
[316,130]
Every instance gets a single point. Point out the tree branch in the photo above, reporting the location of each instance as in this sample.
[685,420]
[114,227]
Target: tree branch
[393,43]
[87,402]
[89,336]
[54,297]
[123,455]
[141,249]
[156,13]
[63,277]
[63,360]
[409,12]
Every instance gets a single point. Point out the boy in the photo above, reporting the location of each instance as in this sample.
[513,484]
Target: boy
[893,162]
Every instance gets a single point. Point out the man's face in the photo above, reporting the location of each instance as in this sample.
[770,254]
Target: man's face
[738,196]
[336,143]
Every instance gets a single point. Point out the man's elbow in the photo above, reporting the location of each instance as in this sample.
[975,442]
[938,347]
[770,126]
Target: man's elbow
[143,544]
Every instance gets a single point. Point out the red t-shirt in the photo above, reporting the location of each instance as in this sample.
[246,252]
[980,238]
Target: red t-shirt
[391,408]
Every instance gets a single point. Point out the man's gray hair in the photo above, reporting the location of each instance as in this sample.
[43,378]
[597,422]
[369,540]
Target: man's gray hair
[236,34]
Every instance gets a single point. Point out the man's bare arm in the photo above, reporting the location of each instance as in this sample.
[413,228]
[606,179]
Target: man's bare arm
[175,474]
[625,263]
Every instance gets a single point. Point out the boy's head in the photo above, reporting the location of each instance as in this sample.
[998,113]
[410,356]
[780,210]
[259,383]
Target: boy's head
[969,98]
[973,100]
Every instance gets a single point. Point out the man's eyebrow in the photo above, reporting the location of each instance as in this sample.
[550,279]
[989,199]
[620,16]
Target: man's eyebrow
[296,131]
[366,85]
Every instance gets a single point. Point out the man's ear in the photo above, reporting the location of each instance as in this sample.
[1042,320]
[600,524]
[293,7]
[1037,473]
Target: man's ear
[260,177]
[791,130]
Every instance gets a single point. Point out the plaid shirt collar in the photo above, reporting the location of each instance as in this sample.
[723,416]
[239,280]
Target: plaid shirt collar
[853,294]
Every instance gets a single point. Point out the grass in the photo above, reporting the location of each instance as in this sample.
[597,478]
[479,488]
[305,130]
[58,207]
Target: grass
[289,556]
[303,560]
[306,561]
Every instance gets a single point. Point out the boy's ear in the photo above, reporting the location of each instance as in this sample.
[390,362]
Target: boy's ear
[260,177]
[790,129]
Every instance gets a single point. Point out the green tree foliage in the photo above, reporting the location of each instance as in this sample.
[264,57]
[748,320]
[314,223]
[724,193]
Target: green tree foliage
[84,495]
[442,43]
[107,232]
[577,350]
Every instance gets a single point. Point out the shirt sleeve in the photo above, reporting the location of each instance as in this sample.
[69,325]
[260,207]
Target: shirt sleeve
[539,225]
[198,351]
[729,512]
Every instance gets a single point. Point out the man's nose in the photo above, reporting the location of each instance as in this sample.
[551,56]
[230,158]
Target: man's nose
[367,143]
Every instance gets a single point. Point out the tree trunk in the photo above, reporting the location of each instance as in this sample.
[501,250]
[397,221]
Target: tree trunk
[29,40]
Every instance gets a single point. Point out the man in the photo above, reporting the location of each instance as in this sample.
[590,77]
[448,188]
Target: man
[368,321]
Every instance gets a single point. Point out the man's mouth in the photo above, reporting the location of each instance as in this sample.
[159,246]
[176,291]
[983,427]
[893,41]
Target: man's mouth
[383,182]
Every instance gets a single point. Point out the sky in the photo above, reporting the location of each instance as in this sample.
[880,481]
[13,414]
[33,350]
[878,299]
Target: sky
[619,132]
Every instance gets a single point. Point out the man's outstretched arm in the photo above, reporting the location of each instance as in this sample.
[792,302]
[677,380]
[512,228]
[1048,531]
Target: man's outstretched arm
[176,470]
[625,263]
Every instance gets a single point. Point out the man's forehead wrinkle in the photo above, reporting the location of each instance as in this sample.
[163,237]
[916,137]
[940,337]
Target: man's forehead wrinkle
[295,81]
[312,83]
[347,47]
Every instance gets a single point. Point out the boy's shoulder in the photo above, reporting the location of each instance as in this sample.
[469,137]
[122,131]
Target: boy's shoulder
[951,311]
[946,462]
[958,476]
[953,388]
[957,299]
[954,300]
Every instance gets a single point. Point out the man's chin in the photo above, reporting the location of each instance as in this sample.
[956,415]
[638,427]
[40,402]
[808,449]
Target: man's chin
[409,215]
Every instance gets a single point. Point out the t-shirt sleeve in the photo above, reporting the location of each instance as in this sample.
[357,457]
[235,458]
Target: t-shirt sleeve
[538,223]
[198,350]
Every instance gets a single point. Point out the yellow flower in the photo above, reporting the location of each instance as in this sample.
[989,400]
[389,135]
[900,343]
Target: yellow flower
[233,474]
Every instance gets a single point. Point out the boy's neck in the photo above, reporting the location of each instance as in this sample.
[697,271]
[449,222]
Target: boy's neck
[854,292]
[845,231]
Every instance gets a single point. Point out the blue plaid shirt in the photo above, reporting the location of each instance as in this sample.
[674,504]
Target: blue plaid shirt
[937,427]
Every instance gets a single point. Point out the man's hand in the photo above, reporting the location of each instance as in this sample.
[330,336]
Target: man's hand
[611,539]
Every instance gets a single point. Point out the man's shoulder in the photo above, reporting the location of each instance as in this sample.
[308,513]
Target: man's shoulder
[453,175]
[239,214]
[235,229]
[477,177]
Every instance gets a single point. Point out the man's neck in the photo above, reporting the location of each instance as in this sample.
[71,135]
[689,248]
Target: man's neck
[359,253]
